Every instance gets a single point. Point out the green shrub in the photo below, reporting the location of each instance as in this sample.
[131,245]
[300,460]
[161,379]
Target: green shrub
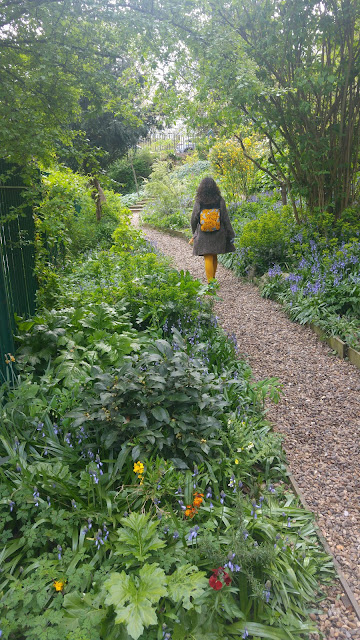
[172,192]
[66,221]
[122,174]
[265,241]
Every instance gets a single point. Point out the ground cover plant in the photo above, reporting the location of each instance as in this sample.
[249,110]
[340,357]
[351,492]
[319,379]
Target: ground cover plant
[323,288]
[312,268]
[141,485]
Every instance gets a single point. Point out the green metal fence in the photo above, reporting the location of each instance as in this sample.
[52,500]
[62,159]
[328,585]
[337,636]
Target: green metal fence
[17,263]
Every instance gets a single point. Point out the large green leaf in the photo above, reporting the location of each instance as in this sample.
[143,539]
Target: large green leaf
[138,537]
[160,414]
[133,597]
[185,583]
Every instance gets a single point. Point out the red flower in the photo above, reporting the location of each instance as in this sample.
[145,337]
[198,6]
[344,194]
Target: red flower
[215,583]
[219,577]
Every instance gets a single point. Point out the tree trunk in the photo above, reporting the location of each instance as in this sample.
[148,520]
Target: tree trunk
[98,196]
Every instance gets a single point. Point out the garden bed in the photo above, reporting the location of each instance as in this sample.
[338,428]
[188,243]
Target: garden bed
[136,452]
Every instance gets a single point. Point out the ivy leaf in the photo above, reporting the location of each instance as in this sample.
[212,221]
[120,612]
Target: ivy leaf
[133,597]
[185,583]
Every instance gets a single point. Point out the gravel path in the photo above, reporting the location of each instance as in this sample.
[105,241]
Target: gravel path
[318,414]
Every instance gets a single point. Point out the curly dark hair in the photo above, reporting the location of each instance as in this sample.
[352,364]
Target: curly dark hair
[208,190]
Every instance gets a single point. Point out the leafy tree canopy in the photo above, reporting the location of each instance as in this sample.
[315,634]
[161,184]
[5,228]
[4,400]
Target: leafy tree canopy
[55,55]
[289,69]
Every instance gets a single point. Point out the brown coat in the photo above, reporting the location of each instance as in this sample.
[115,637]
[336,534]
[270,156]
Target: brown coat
[212,241]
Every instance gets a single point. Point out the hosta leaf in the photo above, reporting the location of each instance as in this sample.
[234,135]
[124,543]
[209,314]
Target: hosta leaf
[185,583]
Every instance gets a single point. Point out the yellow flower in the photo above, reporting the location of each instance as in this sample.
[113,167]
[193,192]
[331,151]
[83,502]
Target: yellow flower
[236,461]
[59,585]
[139,468]
[12,358]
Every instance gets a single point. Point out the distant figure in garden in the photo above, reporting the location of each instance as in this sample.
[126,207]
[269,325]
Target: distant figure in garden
[211,226]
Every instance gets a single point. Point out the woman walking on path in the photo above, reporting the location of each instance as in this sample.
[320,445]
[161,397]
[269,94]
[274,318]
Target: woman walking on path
[211,226]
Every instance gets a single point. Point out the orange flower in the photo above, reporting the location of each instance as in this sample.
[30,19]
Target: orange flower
[190,511]
[198,498]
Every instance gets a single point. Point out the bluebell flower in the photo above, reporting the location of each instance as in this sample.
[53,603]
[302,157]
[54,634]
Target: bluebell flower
[267,594]
[274,271]
[94,476]
[193,533]
[175,535]
[68,439]
[222,497]
[99,464]
[99,539]
[59,548]
[40,427]
[36,496]
[11,505]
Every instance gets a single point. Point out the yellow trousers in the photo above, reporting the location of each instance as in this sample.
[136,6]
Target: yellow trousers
[210,265]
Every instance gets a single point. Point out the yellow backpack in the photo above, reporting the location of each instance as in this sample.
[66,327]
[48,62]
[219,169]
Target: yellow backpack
[210,219]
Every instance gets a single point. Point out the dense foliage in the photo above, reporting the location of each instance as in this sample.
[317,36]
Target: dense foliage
[287,70]
[142,491]
[66,222]
[172,191]
[44,110]
[313,269]
[129,172]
